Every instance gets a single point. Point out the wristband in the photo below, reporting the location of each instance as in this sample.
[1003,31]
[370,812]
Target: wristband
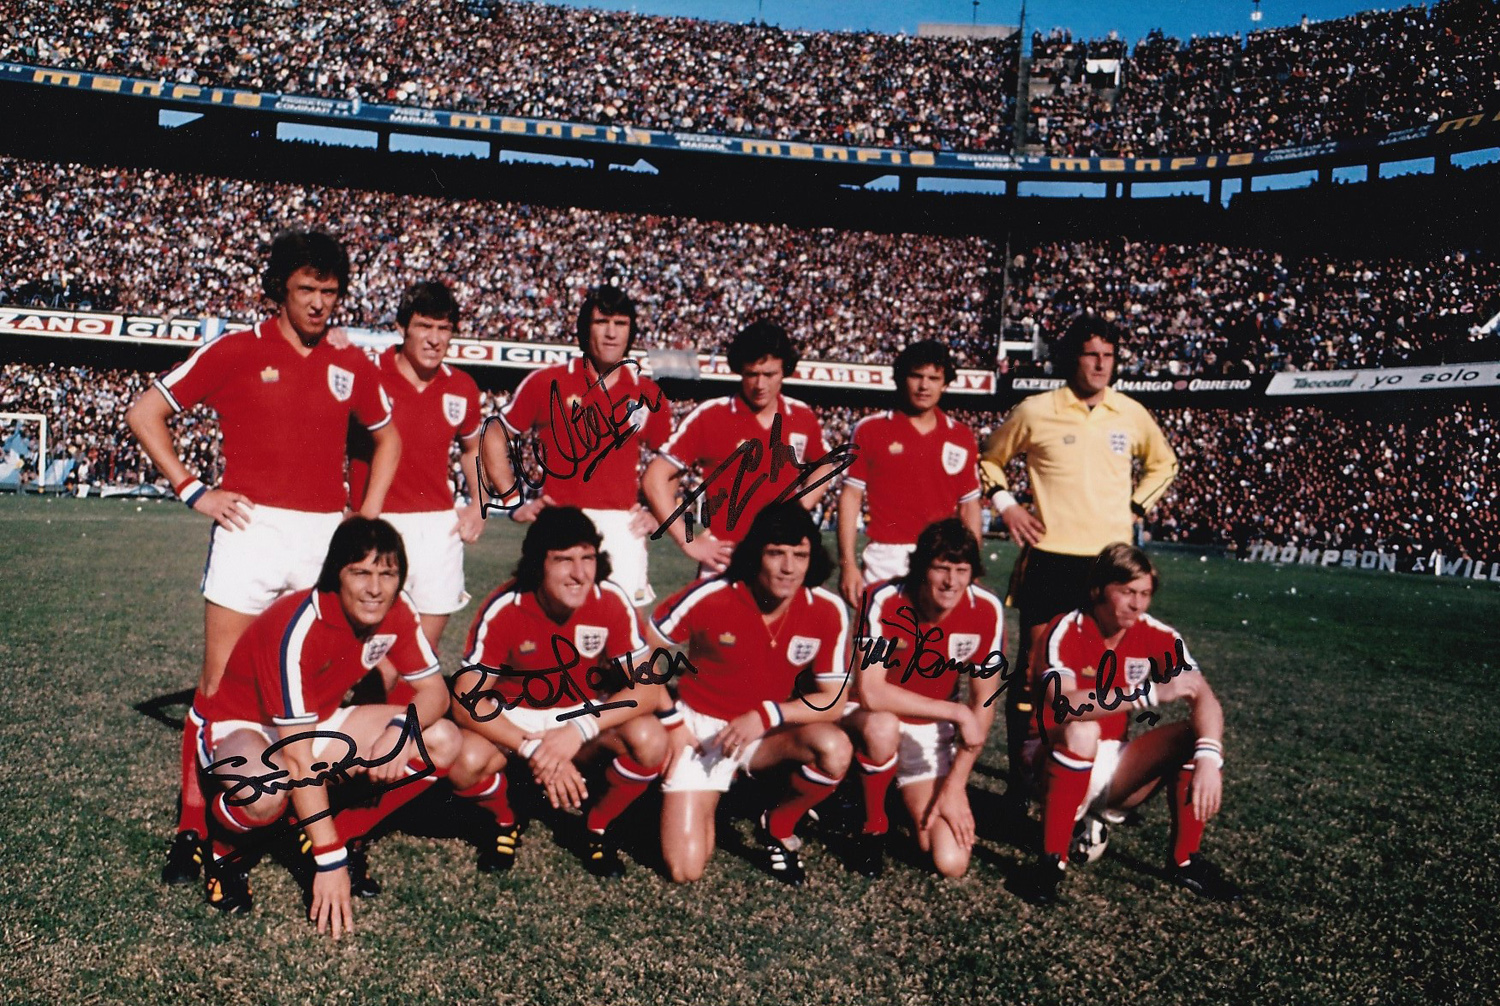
[770,715]
[528,748]
[585,725]
[670,717]
[330,857]
[189,490]
[398,721]
[1002,500]
[1208,749]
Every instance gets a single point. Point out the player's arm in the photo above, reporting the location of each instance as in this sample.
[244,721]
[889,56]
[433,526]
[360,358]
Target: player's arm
[1159,463]
[851,501]
[879,694]
[331,906]
[1002,445]
[470,517]
[382,469]
[968,512]
[1208,727]
[659,484]
[950,801]
[431,701]
[477,704]
[147,418]
[821,477]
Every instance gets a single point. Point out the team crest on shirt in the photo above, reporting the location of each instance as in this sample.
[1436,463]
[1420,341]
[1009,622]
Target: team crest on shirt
[1137,669]
[897,447]
[376,647]
[953,458]
[270,375]
[454,408]
[962,645]
[527,646]
[590,639]
[798,444]
[726,639]
[802,649]
[340,382]
[1119,442]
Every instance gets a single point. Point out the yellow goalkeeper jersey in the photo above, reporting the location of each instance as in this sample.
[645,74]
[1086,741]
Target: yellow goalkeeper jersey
[1079,462]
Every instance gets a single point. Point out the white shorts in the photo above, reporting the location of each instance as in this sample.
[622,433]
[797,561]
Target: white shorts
[925,752]
[434,560]
[882,560]
[533,721]
[1106,761]
[627,553]
[708,769]
[281,551]
[211,733]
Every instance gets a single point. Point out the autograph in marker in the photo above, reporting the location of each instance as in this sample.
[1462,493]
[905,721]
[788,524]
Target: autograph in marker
[1108,696]
[583,434]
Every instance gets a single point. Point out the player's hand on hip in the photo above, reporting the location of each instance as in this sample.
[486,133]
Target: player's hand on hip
[710,552]
[231,511]
[642,522]
[852,585]
[1023,526]
[526,512]
[331,907]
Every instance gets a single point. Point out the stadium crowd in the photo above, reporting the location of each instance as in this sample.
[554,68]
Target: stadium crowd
[145,242]
[1305,475]
[1372,72]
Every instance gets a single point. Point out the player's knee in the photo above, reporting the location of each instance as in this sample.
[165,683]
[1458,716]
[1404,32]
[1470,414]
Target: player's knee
[646,740]
[832,750]
[443,742]
[949,859]
[1081,737]
[685,862]
[882,735]
[266,809]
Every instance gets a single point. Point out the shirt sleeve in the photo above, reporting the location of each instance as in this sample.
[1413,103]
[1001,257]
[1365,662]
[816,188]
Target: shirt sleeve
[966,482]
[372,406]
[283,680]
[832,660]
[1159,461]
[199,376]
[411,654]
[1005,443]
[627,633]
[674,617]
[524,410]
[858,472]
[473,420]
[658,426]
[686,447]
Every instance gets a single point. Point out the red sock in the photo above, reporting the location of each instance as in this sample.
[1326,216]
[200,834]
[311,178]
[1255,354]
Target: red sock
[356,822]
[1187,830]
[876,780]
[624,780]
[491,794]
[809,788]
[192,815]
[1067,785]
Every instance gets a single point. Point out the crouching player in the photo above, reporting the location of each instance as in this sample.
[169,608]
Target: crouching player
[273,732]
[1102,667]
[750,633]
[921,635]
[545,678]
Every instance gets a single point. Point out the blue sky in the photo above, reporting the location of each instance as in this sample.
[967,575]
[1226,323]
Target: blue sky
[1132,20]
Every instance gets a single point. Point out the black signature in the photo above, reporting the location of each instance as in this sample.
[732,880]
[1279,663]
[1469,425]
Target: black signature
[581,432]
[278,779]
[553,686]
[700,506]
[1108,696]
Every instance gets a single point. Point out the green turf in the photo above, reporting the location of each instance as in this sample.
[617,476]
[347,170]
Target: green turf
[1360,812]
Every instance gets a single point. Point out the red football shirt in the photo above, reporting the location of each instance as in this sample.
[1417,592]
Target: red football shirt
[712,432]
[428,419]
[910,478]
[740,661]
[951,647]
[573,414]
[284,416]
[1075,648]
[298,659]
[512,633]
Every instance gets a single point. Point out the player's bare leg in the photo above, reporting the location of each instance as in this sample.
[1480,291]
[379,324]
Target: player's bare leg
[478,774]
[950,857]
[687,832]
[824,752]
[432,628]
[222,628]
[639,747]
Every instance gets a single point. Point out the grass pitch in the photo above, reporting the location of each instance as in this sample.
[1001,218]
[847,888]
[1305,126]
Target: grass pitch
[1360,813]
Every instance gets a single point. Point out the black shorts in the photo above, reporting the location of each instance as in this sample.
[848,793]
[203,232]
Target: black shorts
[1044,585]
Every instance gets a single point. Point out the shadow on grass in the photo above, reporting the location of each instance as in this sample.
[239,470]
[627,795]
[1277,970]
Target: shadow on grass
[157,708]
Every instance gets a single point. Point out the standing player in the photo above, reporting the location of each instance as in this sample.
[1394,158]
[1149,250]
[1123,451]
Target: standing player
[277,708]
[590,417]
[284,398]
[922,635]
[914,464]
[758,437]
[1079,442]
[751,634]
[433,403]
[543,679]
[1105,664]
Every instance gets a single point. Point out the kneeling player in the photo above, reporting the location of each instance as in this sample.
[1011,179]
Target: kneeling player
[750,633]
[922,634]
[1105,665]
[543,679]
[276,712]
